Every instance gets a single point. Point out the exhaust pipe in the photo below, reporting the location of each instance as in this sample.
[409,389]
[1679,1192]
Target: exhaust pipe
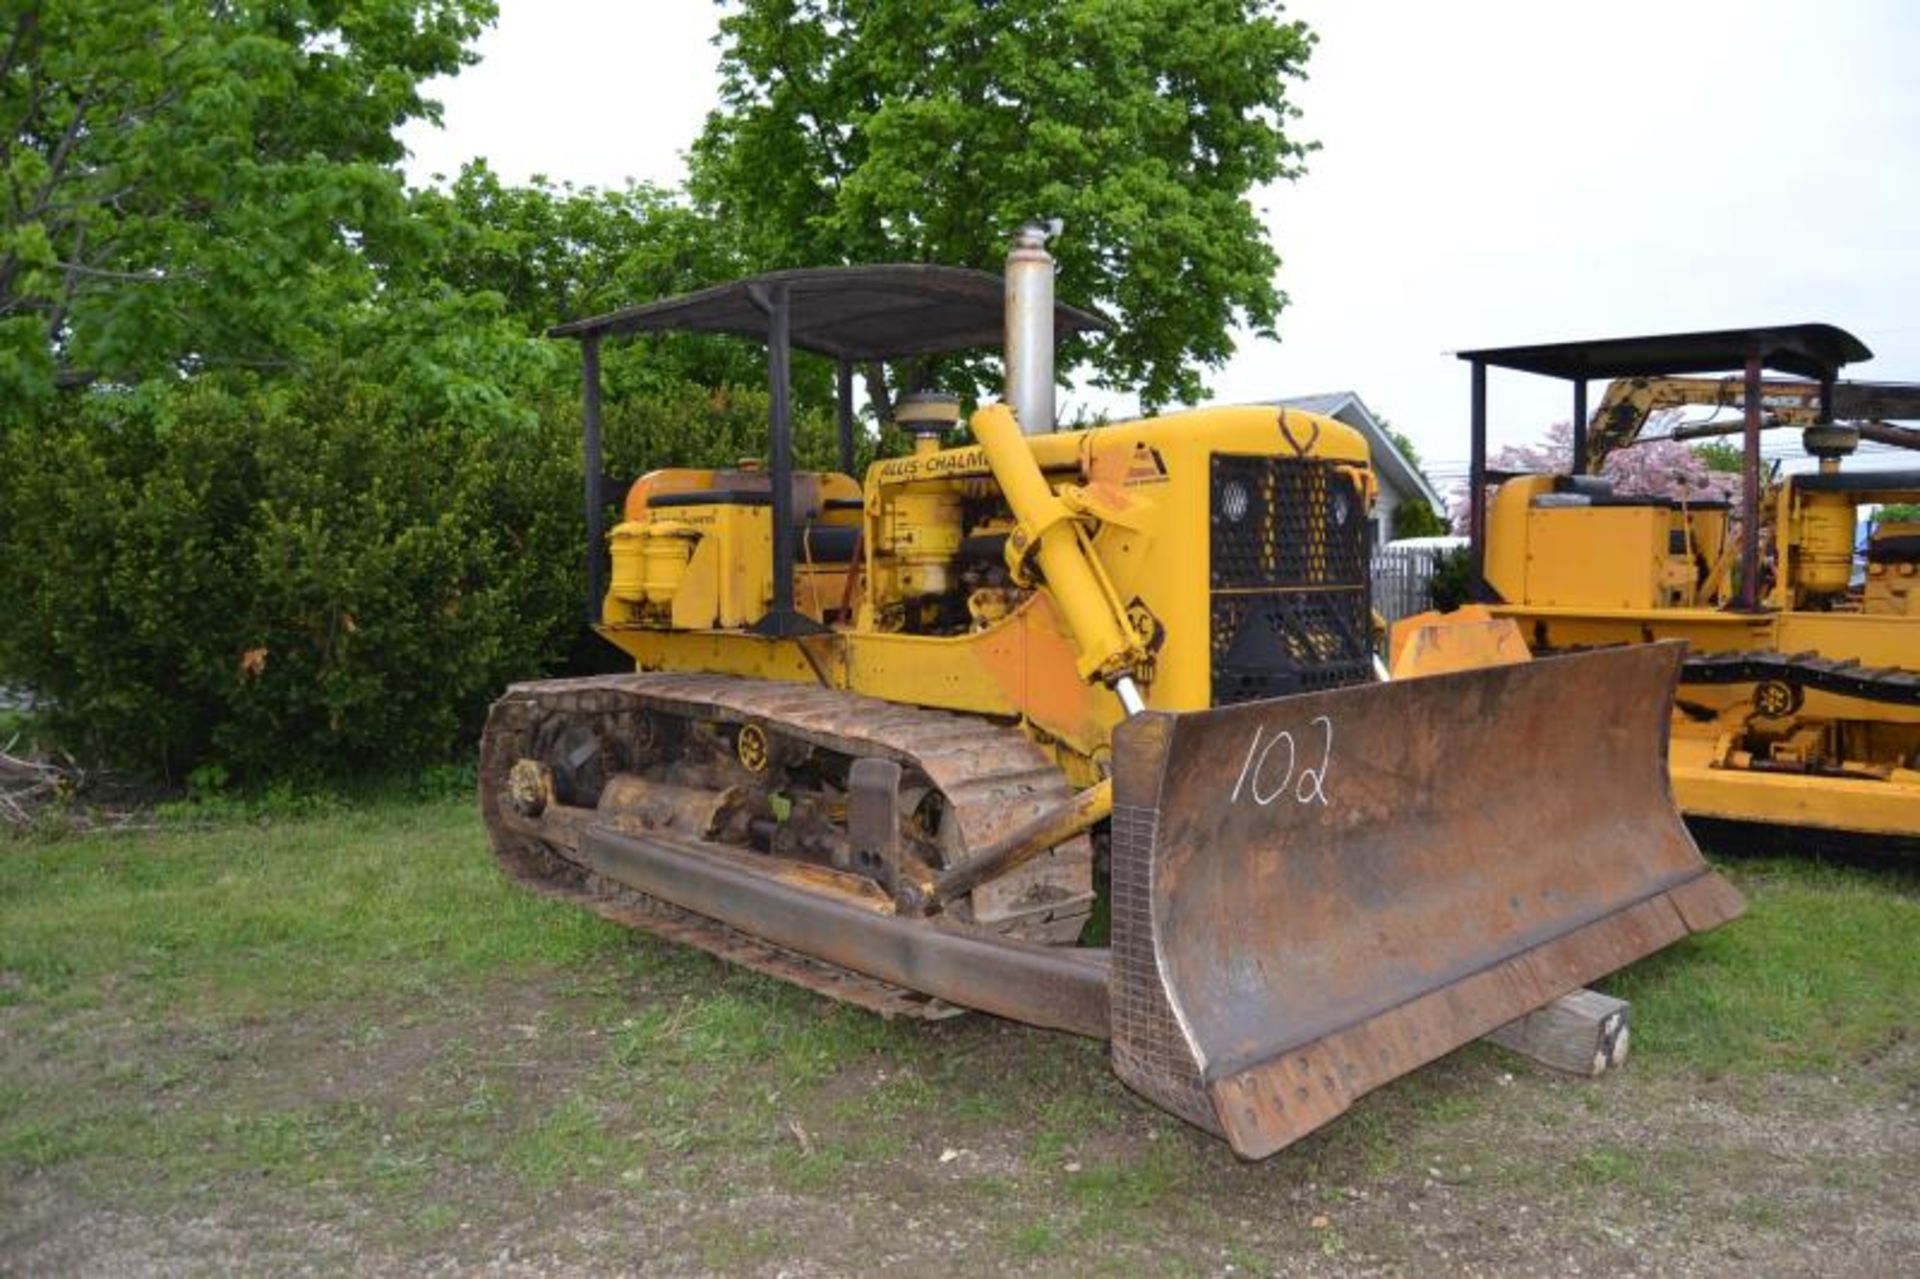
[1029,353]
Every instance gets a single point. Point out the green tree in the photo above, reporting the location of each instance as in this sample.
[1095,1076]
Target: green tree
[1415,518]
[1718,455]
[554,252]
[926,130]
[1403,442]
[547,252]
[194,186]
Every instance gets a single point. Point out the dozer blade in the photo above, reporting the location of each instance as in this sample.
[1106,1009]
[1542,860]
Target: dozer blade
[1317,894]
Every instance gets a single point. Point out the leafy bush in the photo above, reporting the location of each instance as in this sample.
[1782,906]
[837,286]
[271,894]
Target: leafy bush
[1452,582]
[308,579]
[283,581]
[1414,518]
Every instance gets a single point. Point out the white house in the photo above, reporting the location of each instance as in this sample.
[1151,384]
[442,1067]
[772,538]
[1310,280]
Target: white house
[1400,480]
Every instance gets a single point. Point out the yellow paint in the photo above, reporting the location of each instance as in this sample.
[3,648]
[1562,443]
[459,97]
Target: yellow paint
[920,525]
[1825,803]
[1507,518]
[1047,534]
[660,483]
[650,561]
[722,652]
[1577,576]
[1605,557]
[1466,639]
[1114,524]
[1823,556]
[1893,588]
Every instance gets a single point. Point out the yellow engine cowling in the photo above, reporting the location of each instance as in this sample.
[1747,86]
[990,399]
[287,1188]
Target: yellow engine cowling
[1124,602]
[1566,550]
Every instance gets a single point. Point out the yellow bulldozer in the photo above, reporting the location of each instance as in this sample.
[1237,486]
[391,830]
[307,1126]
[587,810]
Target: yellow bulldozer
[1797,721]
[893,739]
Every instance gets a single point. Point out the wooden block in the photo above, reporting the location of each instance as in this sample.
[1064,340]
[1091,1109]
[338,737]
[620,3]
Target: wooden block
[1585,1033]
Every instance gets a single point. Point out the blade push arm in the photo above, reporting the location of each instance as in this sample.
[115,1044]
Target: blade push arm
[1047,532]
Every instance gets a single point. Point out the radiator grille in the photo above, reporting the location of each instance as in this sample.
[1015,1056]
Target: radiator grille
[1289,534]
[1290,607]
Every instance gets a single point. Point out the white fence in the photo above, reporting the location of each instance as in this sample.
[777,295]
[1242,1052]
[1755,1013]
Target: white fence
[1400,578]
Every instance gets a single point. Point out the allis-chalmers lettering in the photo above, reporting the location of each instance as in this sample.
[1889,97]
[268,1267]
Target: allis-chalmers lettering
[971,461]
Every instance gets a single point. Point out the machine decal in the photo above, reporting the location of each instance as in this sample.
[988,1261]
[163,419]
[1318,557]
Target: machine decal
[1147,467]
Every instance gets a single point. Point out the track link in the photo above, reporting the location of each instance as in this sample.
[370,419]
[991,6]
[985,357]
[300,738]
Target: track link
[1890,684]
[991,776]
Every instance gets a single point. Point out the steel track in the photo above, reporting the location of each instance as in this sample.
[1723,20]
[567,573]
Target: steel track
[1890,684]
[992,777]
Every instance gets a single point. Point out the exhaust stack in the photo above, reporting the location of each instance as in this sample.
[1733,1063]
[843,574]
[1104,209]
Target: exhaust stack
[1029,353]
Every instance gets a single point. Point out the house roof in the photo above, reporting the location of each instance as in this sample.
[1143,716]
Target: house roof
[847,313]
[1348,407]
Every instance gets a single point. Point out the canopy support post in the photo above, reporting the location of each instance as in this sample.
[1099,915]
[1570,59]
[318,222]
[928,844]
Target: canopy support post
[1750,492]
[595,496]
[843,411]
[1477,482]
[1579,426]
[776,300]
[843,414]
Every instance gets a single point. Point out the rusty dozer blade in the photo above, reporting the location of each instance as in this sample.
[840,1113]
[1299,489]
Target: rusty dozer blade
[1317,894]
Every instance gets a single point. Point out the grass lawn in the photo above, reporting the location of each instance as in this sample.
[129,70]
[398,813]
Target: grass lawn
[345,1040]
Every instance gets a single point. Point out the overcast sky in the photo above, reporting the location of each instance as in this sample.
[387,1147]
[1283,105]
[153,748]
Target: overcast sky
[1491,172]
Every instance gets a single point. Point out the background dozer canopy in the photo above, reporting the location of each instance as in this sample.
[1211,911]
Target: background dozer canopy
[1813,351]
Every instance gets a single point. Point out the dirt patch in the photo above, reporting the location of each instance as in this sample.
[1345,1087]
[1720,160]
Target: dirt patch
[506,1129]
[346,1045]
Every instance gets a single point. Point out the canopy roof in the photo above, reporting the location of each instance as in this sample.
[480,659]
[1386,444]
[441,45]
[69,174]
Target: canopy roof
[846,313]
[1809,350]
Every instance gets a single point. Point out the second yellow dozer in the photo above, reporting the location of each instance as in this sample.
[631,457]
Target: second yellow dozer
[893,741]
[1797,719]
